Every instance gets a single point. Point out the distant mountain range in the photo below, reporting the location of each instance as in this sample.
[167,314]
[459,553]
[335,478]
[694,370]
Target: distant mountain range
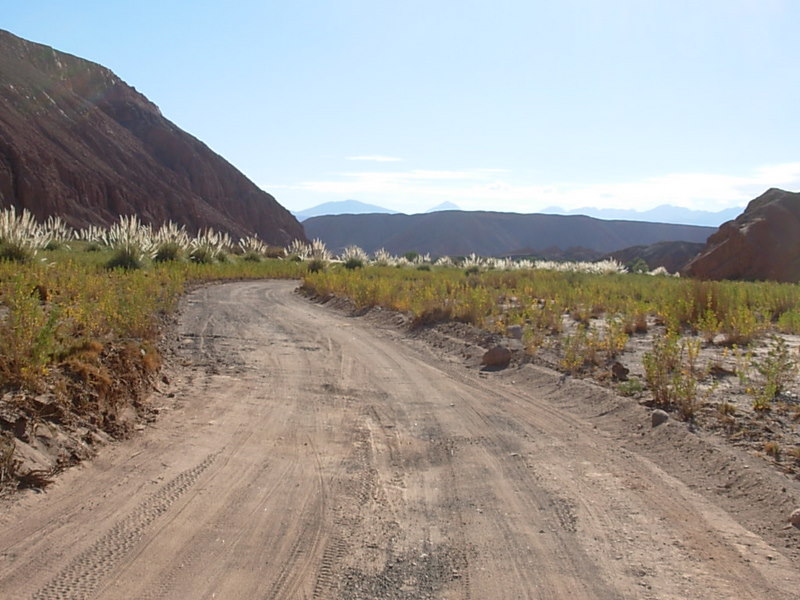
[665,213]
[354,207]
[444,206]
[342,207]
[457,233]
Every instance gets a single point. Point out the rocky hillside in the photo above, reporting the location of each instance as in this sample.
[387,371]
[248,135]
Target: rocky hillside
[77,142]
[455,233]
[763,243]
[673,256]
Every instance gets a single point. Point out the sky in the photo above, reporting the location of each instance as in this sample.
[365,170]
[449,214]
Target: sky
[512,105]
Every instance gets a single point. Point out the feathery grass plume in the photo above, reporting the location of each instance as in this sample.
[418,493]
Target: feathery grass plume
[171,242]
[601,267]
[383,258]
[524,264]
[252,248]
[318,251]
[297,250]
[421,259]
[57,232]
[20,236]
[132,242]
[354,257]
[498,264]
[473,264]
[606,267]
[444,261]
[92,233]
[94,236]
[209,246]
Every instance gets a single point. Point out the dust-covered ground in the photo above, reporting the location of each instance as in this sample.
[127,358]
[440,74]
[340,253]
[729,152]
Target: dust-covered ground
[304,453]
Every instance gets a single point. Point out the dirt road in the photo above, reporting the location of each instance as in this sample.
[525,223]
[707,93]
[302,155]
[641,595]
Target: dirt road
[308,455]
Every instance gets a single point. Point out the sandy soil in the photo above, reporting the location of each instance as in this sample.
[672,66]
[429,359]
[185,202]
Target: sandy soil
[301,453]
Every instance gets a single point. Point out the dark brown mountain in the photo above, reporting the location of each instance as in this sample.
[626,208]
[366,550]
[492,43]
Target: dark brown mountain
[763,243]
[673,256]
[455,233]
[77,142]
[556,253]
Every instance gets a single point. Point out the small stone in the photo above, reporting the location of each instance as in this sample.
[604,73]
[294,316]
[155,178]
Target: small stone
[619,372]
[515,331]
[659,417]
[794,518]
[498,357]
[21,428]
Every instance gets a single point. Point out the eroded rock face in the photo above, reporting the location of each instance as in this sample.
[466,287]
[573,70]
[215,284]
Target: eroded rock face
[763,243]
[78,142]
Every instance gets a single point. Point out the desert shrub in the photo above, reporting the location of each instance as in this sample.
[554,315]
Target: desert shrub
[56,229]
[773,449]
[382,258]
[576,350]
[316,265]
[209,246]
[775,370]
[672,374]
[202,255]
[709,325]
[353,263]
[354,257]
[132,243]
[252,248]
[171,243]
[123,259]
[28,334]
[632,387]
[20,236]
[297,250]
[638,266]
[613,338]
[168,251]
[741,326]
[789,321]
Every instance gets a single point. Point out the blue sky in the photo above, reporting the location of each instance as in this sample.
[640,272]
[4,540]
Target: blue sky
[496,104]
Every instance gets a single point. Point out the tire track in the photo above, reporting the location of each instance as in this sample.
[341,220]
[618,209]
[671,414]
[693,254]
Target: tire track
[83,575]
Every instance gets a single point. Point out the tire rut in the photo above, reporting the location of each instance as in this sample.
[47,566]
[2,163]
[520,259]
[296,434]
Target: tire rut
[81,577]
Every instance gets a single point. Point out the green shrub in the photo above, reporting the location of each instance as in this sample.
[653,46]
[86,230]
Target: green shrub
[316,265]
[353,263]
[125,258]
[632,387]
[168,251]
[776,370]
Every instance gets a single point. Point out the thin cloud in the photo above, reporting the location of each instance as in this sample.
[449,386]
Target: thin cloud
[500,189]
[375,158]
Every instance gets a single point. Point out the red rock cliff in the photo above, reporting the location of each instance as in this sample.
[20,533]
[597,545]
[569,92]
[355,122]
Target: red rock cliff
[77,142]
[763,243]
